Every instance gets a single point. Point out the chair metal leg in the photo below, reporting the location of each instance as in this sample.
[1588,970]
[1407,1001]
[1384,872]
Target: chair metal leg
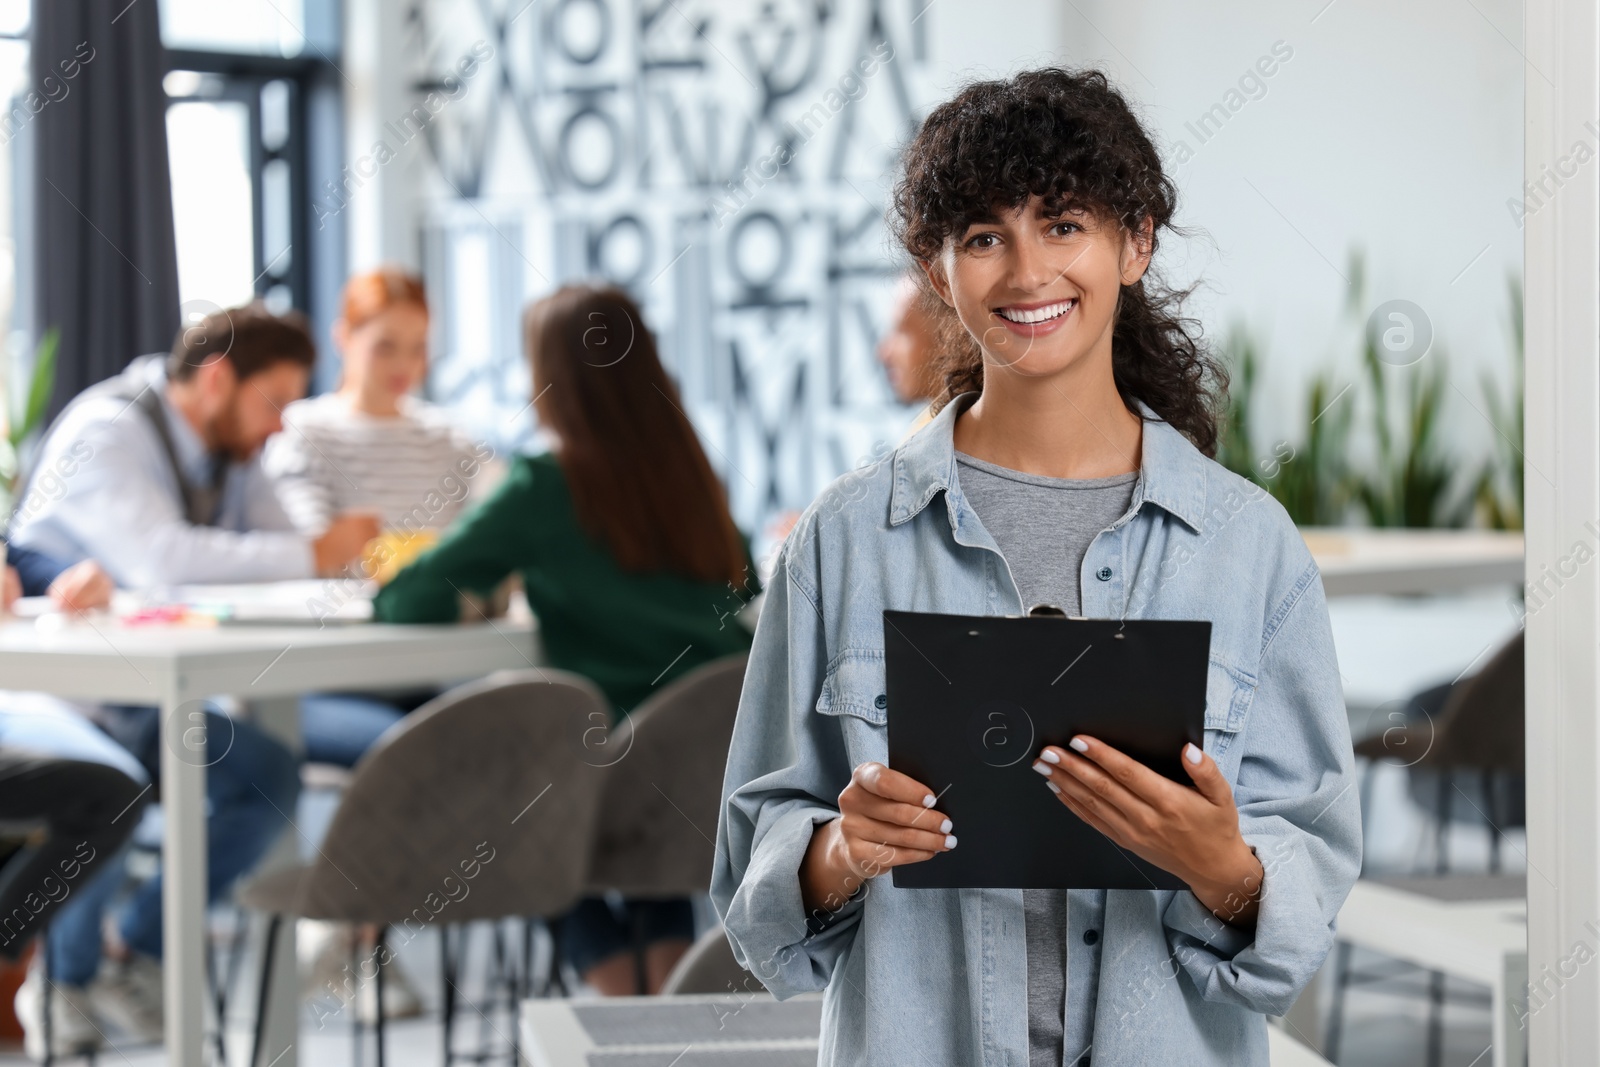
[1442,833]
[378,953]
[508,966]
[527,958]
[641,976]
[46,994]
[555,979]
[1491,801]
[1435,1018]
[264,990]
[236,953]
[357,1028]
[447,991]
[219,998]
[1436,978]
[1341,986]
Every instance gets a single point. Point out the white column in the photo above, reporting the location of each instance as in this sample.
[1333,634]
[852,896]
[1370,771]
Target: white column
[1562,250]
[381,227]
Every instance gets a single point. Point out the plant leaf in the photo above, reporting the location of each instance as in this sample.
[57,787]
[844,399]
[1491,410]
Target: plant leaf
[40,386]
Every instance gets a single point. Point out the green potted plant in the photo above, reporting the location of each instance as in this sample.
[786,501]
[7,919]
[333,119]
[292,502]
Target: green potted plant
[22,422]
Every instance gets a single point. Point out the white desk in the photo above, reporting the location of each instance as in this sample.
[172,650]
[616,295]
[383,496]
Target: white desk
[174,667]
[1356,561]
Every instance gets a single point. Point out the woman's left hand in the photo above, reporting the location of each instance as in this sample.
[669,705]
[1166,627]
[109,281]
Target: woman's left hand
[1193,833]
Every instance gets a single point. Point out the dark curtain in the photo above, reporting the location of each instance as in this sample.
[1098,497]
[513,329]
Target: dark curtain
[105,259]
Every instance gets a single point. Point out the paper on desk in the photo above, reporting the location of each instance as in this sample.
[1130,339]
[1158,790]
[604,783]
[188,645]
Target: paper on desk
[31,607]
[307,601]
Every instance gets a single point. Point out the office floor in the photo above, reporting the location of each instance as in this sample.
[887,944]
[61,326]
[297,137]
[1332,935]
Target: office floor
[1384,1029]
[1386,1025]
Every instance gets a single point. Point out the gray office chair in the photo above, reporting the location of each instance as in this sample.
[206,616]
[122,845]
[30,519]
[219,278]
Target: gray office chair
[1470,741]
[709,967]
[658,816]
[480,805]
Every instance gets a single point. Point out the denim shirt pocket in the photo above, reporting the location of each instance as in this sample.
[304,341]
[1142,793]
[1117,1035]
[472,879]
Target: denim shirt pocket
[854,692]
[1228,695]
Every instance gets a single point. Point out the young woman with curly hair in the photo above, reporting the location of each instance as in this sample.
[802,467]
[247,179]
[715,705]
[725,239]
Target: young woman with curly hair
[1069,464]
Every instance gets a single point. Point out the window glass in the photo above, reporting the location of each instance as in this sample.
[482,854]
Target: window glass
[268,27]
[13,88]
[13,16]
[208,145]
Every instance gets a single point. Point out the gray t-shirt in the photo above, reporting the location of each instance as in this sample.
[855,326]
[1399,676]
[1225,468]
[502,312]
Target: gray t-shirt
[1043,527]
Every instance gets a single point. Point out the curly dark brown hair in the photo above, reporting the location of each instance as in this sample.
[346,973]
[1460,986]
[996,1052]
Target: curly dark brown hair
[1070,138]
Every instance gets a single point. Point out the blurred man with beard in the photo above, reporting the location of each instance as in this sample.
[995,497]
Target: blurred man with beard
[154,474]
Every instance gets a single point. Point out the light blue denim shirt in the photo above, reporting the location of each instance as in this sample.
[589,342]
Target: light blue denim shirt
[931,976]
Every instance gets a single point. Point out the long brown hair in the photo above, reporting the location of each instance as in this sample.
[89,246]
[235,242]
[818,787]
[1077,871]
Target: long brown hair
[640,482]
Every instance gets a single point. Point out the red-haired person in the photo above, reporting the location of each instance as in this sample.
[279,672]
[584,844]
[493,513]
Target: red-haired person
[372,444]
[626,549]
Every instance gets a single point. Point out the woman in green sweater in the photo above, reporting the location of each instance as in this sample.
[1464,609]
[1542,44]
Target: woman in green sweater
[626,549]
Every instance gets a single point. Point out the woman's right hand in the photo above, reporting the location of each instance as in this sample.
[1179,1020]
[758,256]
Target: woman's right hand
[886,819]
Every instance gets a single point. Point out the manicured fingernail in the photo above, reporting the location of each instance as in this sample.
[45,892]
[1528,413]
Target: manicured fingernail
[1053,787]
[944,827]
[1192,754]
[928,801]
[1079,744]
[1043,768]
[1049,757]
[949,840]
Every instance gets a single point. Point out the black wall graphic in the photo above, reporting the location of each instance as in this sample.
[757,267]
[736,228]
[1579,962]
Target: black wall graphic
[729,163]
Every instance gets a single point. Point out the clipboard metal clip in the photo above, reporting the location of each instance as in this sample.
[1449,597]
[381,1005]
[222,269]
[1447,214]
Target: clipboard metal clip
[1049,610]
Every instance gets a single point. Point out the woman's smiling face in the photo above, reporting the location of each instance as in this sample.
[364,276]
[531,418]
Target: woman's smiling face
[1039,291]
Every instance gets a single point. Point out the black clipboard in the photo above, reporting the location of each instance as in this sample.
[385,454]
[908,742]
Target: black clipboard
[972,700]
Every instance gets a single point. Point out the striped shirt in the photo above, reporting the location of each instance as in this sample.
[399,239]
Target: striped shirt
[414,469]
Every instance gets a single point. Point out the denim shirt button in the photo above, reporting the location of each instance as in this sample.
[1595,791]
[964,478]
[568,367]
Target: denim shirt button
[1091,936]
[1104,574]
[882,701]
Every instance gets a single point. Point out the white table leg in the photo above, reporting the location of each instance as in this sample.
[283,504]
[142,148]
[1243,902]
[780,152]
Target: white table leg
[280,1029]
[1510,1004]
[183,894]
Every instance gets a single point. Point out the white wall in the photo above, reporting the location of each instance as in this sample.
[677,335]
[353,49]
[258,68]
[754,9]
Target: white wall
[1393,128]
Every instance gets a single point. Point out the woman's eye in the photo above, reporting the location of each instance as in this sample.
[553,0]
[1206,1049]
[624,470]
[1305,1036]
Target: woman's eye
[982,240]
[1066,229]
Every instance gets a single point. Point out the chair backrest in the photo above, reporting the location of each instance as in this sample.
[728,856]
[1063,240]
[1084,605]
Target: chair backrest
[478,805]
[1483,722]
[658,818]
[709,967]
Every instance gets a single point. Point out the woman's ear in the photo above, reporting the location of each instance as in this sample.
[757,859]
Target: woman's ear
[937,278]
[1137,248]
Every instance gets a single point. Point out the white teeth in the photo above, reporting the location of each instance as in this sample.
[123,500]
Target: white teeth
[1030,316]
